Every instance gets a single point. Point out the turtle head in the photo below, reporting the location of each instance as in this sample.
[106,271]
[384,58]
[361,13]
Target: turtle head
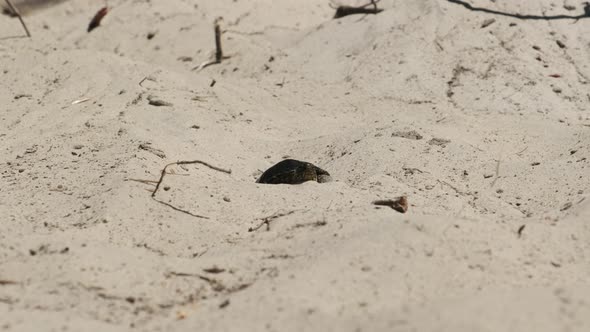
[321,175]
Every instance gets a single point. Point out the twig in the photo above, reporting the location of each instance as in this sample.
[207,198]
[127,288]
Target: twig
[342,11]
[497,173]
[399,204]
[520,229]
[519,153]
[20,18]
[266,220]
[152,182]
[79,101]
[7,282]
[183,162]
[142,80]
[179,209]
[147,78]
[218,51]
[95,22]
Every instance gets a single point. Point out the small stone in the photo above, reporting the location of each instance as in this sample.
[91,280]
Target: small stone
[560,44]
[78,146]
[557,90]
[225,198]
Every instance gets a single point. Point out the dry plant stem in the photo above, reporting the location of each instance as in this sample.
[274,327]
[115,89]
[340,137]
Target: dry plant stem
[20,18]
[266,220]
[218,50]
[342,11]
[183,162]
[497,173]
[179,209]
[152,182]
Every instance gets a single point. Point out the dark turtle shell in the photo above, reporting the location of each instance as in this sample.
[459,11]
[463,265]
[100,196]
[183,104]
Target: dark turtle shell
[290,171]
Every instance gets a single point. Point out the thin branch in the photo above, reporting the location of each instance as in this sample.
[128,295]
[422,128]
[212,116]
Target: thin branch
[20,18]
[399,204]
[521,16]
[342,11]
[183,162]
[218,51]
[266,220]
[179,209]
[152,182]
[497,173]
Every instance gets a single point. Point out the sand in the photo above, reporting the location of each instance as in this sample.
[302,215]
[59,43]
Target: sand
[484,126]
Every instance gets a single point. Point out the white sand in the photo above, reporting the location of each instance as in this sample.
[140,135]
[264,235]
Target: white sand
[504,145]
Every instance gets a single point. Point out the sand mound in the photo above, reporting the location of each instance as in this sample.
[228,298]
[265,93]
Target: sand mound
[481,123]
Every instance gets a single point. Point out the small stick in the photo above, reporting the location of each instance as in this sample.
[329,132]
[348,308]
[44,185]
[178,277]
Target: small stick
[218,51]
[7,282]
[152,182]
[179,209]
[142,80]
[95,22]
[520,229]
[497,173]
[182,162]
[342,11]
[266,220]
[20,18]
[185,162]
[399,204]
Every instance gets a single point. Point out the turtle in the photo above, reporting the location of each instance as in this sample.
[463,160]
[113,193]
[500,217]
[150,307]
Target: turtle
[291,171]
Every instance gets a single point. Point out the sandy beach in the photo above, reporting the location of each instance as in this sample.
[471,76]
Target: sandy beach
[477,111]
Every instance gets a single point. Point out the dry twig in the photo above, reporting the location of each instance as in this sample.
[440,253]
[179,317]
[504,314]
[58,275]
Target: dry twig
[497,173]
[342,11]
[218,51]
[182,162]
[95,22]
[266,220]
[399,204]
[20,18]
